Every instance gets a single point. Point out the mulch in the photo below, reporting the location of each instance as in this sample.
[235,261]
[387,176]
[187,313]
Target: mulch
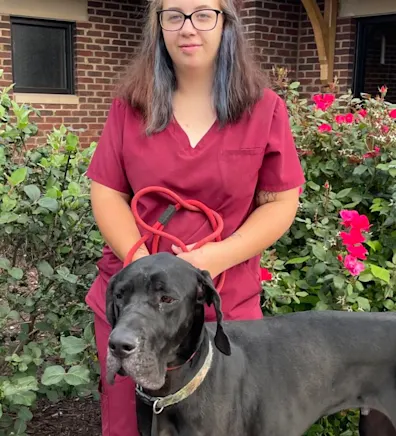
[70,417]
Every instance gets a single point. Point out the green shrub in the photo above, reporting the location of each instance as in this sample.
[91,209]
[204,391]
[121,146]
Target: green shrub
[348,151]
[48,248]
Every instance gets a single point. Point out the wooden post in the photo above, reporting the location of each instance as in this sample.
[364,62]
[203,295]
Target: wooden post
[324,27]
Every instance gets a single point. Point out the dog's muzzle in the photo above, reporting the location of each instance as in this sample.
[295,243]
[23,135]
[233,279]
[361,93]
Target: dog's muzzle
[128,357]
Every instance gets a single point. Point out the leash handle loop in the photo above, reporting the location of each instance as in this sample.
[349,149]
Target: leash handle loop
[156,230]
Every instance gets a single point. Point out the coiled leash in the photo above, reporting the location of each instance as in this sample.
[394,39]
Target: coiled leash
[157,228]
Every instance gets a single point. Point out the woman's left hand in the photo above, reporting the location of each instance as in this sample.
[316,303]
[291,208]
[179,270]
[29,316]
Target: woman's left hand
[205,258]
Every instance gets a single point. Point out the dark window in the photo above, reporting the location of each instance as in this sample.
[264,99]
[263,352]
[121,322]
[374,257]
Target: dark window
[42,56]
[376,56]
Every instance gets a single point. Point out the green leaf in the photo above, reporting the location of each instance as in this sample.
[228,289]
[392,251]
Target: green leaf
[77,375]
[297,260]
[19,427]
[320,305]
[74,189]
[13,314]
[48,203]
[389,304]
[319,252]
[365,277]
[18,176]
[374,245]
[313,185]
[339,282]
[380,273]
[72,345]
[16,273]
[53,375]
[294,85]
[25,398]
[45,268]
[33,192]
[319,268]
[344,193]
[358,171]
[5,263]
[1,411]
[71,142]
[363,303]
[302,294]
[25,414]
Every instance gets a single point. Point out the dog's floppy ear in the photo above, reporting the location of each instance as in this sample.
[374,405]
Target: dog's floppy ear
[208,294]
[112,310]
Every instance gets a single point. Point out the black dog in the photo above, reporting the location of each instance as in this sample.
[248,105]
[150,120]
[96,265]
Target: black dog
[272,377]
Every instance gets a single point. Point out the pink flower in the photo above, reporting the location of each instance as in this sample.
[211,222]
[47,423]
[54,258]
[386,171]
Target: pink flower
[383,90]
[372,153]
[363,113]
[392,113]
[347,216]
[265,274]
[357,251]
[323,101]
[349,118]
[352,218]
[353,237]
[353,265]
[326,185]
[324,128]
[339,257]
[340,119]
[385,129]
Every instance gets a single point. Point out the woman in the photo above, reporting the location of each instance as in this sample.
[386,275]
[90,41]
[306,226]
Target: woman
[193,115]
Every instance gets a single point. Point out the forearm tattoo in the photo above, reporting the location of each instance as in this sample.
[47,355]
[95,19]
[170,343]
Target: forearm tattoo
[264,197]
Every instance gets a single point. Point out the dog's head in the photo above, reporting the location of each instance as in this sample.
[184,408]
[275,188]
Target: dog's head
[152,306]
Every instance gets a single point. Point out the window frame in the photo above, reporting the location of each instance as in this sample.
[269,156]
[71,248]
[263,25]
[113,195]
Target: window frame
[359,71]
[69,54]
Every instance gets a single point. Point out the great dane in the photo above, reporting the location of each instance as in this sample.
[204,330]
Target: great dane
[270,377]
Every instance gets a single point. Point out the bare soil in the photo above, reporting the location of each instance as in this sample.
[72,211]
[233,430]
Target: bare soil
[71,417]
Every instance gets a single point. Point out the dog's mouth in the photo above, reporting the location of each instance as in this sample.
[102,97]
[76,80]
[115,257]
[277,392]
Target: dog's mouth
[143,368]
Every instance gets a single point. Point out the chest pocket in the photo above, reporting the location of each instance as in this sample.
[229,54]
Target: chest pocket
[239,170]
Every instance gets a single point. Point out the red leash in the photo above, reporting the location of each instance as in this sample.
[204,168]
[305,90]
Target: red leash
[157,229]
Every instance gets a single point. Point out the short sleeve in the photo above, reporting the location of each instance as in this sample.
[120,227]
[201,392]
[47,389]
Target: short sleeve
[107,163]
[281,168]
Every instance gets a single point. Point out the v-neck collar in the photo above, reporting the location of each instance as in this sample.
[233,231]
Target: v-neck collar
[183,138]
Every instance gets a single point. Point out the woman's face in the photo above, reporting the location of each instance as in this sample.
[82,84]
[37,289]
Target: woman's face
[189,46]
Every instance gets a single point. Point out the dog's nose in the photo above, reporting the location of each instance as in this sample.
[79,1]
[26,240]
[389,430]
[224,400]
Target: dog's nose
[122,344]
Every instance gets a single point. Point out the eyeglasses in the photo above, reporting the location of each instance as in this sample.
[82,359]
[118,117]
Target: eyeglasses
[204,19]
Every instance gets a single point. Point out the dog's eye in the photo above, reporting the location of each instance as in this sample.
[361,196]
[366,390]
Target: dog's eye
[166,299]
[118,296]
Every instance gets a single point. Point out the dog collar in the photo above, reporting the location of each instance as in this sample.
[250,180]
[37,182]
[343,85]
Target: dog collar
[159,403]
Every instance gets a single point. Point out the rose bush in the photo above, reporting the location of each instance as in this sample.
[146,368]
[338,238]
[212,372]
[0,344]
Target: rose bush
[340,254]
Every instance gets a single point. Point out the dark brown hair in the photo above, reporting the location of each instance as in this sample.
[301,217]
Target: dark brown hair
[149,81]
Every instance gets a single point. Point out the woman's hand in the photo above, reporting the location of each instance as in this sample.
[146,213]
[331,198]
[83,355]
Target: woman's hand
[205,258]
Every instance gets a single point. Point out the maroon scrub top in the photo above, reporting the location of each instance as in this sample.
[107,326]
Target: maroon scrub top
[224,170]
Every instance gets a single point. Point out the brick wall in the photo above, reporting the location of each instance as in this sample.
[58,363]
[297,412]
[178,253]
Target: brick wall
[279,30]
[272,27]
[378,74]
[103,44]
[308,67]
